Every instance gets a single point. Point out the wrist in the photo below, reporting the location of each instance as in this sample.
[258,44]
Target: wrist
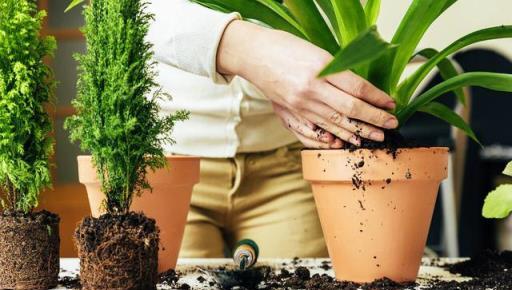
[240,41]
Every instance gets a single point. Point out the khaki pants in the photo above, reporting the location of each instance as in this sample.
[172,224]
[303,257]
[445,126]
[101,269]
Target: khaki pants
[260,196]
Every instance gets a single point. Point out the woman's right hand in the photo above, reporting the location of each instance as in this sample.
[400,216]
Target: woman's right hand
[285,68]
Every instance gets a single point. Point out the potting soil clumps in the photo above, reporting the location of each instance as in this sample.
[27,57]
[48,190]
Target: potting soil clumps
[29,244]
[118,252]
[392,143]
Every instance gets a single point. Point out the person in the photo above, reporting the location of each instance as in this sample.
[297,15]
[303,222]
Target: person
[253,94]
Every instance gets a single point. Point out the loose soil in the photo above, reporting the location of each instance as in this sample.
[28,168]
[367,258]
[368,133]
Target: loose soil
[490,270]
[29,250]
[392,142]
[118,252]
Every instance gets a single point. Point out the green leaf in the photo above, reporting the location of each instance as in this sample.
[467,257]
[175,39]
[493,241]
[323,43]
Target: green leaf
[409,86]
[73,4]
[446,69]
[372,10]
[269,12]
[498,203]
[444,113]
[350,18]
[508,169]
[317,30]
[364,49]
[420,15]
[493,81]
[329,12]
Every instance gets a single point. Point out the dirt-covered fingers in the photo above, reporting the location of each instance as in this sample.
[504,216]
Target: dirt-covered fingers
[325,123]
[358,128]
[307,132]
[356,108]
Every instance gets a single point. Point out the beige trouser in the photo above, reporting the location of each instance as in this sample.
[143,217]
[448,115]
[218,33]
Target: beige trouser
[259,196]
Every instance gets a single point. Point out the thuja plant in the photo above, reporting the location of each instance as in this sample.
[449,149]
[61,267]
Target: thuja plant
[26,91]
[26,88]
[498,203]
[117,116]
[346,29]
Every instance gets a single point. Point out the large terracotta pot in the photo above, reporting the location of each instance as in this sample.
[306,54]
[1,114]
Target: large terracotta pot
[375,208]
[168,203]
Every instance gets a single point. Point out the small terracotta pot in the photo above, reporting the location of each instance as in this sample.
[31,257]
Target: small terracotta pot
[168,203]
[375,209]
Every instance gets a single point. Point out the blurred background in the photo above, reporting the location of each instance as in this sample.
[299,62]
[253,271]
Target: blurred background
[458,228]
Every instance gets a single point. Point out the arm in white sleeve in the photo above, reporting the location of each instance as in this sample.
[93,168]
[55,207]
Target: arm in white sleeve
[187,36]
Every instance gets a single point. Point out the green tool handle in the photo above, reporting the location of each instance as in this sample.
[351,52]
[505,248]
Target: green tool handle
[246,254]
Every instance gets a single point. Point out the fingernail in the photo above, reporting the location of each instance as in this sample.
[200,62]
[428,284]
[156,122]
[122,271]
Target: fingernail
[391,123]
[391,105]
[354,140]
[377,136]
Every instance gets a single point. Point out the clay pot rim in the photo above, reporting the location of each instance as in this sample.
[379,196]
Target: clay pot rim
[168,157]
[350,151]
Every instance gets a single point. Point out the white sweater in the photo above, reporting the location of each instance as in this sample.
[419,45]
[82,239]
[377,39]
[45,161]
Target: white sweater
[227,116]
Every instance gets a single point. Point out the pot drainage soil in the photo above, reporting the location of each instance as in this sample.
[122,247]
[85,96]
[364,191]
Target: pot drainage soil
[118,252]
[29,250]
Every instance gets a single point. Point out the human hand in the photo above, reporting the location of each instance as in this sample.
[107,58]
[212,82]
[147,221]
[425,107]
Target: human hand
[308,133]
[285,68]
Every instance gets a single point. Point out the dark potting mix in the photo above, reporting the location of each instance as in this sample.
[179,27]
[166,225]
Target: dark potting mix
[487,271]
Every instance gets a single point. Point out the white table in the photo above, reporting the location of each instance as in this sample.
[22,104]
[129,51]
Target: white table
[189,273]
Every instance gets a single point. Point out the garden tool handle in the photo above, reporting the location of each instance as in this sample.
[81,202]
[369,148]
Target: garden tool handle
[246,254]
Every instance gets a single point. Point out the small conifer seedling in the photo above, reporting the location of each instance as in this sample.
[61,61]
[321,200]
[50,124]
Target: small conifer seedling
[26,87]
[119,123]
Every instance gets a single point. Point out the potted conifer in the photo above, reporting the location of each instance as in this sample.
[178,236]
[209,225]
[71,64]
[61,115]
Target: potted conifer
[29,240]
[375,202]
[118,122]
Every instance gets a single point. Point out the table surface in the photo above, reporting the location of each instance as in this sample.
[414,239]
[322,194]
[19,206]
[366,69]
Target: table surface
[188,269]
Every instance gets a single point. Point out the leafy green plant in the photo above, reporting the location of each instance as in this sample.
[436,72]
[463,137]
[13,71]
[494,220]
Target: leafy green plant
[348,31]
[26,87]
[498,203]
[118,117]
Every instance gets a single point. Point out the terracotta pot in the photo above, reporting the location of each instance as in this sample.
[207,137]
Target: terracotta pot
[168,203]
[375,209]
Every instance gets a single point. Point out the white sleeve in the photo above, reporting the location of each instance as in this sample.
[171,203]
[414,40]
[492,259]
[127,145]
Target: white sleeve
[186,35]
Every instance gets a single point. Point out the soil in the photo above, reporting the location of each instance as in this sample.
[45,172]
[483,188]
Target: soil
[490,270]
[118,252]
[392,142]
[29,250]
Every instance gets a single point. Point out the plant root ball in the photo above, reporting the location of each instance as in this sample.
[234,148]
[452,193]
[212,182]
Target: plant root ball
[118,252]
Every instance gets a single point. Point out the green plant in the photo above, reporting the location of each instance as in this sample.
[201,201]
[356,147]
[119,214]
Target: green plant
[498,203]
[26,87]
[348,31]
[117,104]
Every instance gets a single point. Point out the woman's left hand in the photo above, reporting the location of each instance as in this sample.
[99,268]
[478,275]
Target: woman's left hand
[308,133]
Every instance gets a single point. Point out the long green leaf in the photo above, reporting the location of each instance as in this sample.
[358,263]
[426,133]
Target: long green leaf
[498,203]
[444,113]
[446,69]
[350,18]
[409,86]
[73,4]
[267,11]
[372,10]
[329,12]
[493,81]
[364,49]
[317,30]
[420,15]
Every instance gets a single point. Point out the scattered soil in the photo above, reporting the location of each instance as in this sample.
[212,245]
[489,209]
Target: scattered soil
[170,278]
[118,252]
[70,282]
[392,142]
[489,270]
[29,250]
